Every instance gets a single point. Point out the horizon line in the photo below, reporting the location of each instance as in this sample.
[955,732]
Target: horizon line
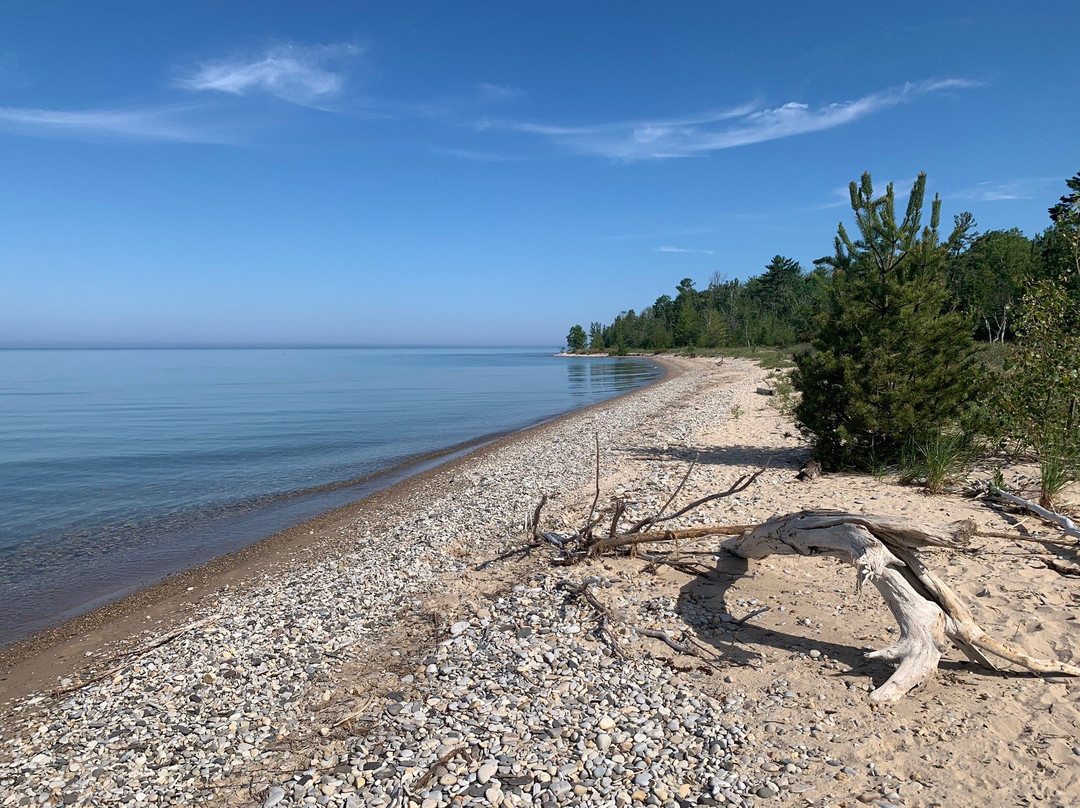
[119,346]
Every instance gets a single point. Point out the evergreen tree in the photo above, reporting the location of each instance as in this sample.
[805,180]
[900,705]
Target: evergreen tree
[890,362]
[576,339]
[778,287]
[1066,231]
[596,336]
[1040,393]
[686,321]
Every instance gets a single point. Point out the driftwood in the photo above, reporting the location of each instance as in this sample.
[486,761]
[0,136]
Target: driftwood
[1067,525]
[588,543]
[884,550]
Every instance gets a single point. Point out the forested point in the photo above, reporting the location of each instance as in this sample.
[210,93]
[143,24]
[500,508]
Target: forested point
[986,275]
[893,364]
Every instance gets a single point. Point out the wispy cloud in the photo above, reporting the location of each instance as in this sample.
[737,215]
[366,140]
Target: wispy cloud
[1004,191]
[300,74]
[619,128]
[498,92]
[682,250]
[182,123]
[482,156]
[696,135]
[686,231]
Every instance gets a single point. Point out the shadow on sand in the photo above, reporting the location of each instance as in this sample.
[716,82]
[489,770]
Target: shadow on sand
[786,457]
[742,643]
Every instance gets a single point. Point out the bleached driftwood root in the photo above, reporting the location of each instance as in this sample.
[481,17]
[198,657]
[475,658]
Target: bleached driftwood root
[884,550]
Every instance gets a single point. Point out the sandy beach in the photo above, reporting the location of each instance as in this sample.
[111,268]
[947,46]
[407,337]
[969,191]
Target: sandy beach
[372,658]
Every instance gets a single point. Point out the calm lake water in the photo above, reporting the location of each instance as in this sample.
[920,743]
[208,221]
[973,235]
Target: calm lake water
[118,467]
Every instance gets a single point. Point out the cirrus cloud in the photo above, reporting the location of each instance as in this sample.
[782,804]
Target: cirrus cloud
[695,135]
[177,123]
[304,75]
[684,250]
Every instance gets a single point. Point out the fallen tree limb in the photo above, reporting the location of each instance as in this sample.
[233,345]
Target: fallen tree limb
[1062,567]
[1067,525]
[631,539]
[999,534]
[884,550]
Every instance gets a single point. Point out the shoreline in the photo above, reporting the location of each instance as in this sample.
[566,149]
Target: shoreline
[405,659]
[64,649]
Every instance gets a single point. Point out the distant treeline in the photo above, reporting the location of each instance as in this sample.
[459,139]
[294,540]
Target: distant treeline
[987,276]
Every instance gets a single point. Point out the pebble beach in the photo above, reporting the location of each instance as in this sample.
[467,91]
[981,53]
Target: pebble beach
[394,654]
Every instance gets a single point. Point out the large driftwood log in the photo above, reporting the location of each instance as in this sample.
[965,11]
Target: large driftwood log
[884,550]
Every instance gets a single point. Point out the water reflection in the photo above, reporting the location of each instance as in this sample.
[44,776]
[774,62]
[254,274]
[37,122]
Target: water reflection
[600,376]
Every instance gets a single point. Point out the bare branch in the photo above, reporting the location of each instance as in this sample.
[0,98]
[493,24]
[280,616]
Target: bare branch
[666,639]
[596,499]
[647,523]
[534,523]
[739,486]
[156,643]
[620,507]
[1066,524]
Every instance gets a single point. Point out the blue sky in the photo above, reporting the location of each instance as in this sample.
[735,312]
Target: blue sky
[485,173]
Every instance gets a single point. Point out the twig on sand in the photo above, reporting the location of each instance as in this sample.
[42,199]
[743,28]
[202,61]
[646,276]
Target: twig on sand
[750,616]
[584,590]
[425,778]
[156,643]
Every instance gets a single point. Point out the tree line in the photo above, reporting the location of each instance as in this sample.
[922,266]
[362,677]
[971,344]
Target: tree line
[986,275]
[893,373]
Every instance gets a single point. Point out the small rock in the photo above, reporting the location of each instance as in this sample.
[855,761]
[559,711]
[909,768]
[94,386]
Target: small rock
[274,796]
[486,772]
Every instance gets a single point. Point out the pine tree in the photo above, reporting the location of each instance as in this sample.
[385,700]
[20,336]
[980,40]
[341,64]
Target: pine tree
[577,339]
[890,362]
